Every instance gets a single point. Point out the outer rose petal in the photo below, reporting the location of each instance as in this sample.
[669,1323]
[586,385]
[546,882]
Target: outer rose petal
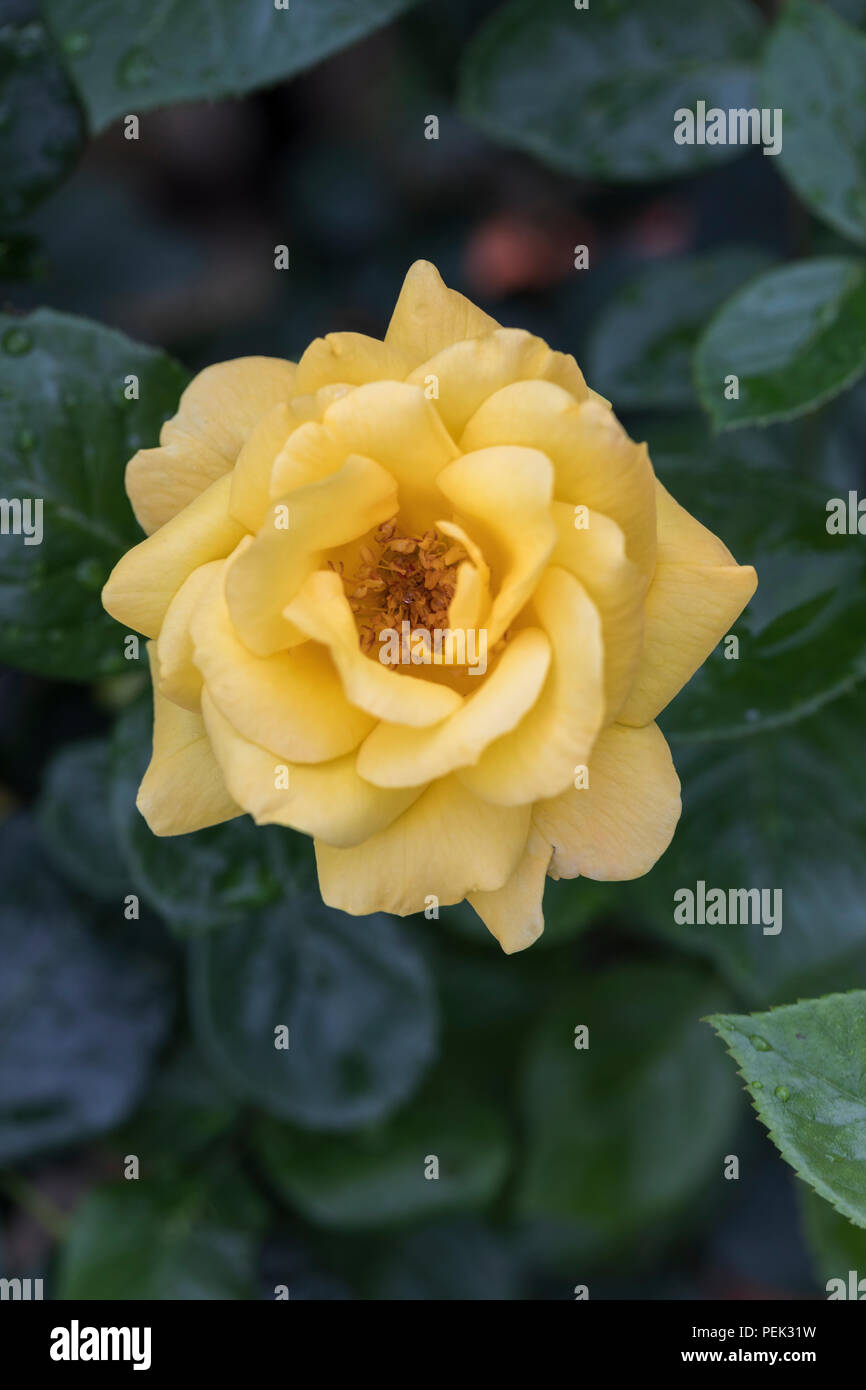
[618,826]
[183,788]
[326,799]
[396,756]
[466,373]
[447,844]
[428,317]
[537,759]
[352,358]
[291,703]
[145,580]
[180,678]
[201,442]
[697,592]
[597,465]
[513,913]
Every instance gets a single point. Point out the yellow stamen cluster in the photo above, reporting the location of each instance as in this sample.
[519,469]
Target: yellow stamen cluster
[412,579]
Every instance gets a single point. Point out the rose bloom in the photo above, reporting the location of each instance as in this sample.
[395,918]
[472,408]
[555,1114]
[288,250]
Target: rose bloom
[461,479]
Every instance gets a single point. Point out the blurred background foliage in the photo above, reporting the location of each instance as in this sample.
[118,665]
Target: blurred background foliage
[154,1036]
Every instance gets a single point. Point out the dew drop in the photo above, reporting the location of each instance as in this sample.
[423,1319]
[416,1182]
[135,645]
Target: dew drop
[759,1044]
[77,41]
[757,1085]
[136,68]
[16,341]
[782,1093]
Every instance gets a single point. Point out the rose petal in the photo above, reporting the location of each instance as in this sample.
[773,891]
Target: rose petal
[618,826]
[446,845]
[216,413]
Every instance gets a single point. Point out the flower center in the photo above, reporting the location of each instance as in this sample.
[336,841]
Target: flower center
[406,579]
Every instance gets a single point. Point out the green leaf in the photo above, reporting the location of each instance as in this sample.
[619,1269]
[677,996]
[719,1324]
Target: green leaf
[458,1260]
[184,1111]
[801,641]
[813,71]
[623,1133]
[80,1019]
[66,432]
[378,1176]
[21,258]
[201,881]
[41,123]
[804,1066]
[837,1246]
[354,994]
[794,338]
[134,58]
[773,813]
[593,92]
[639,352]
[159,1239]
[74,817]
[852,10]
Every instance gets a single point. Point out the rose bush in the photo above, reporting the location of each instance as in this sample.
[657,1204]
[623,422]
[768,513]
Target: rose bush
[460,477]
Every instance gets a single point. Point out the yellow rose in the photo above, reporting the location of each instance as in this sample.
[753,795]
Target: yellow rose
[461,479]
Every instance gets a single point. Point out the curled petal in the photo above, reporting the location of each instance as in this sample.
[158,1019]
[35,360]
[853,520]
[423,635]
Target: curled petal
[624,820]
[397,426]
[537,759]
[505,494]
[251,478]
[291,702]
[596,555]
[179,677]
[513,913]
[446,845]
[396,756]
[428,316]
[183,788]
[464,374]
[216,413]
[265,574]
[321,611]
[145,580]
[328,799]
[596,464]
[351,358]
[697,592]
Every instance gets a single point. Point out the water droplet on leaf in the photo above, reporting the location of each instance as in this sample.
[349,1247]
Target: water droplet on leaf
[136,68]
[16,341]
[77,41]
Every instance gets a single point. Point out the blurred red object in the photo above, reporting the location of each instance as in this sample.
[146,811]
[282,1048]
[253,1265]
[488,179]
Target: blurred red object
[508,253]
